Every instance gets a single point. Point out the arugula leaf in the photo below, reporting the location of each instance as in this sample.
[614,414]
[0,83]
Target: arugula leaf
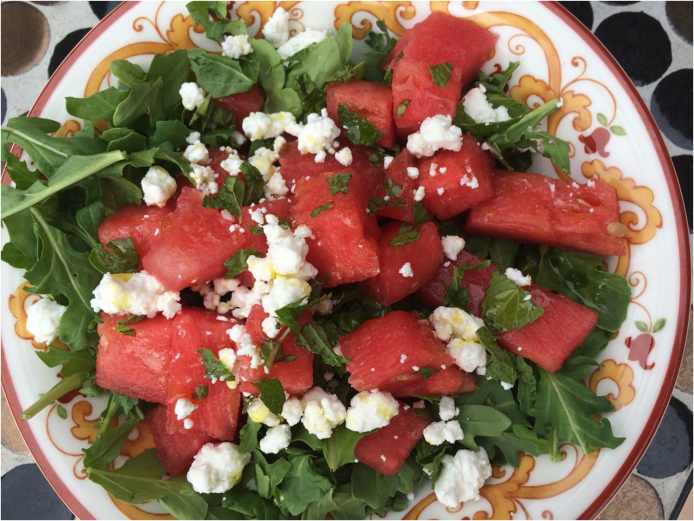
[502,252]
[303,485]
[581,278]
[548,445]
[426,372]
[123,325]
[208,116]
[441,73]
[568,406]
[107,445]
[500,364]
[526,374]
[339,183]
[238,262]
[220,76]
[456,296]
[340,504]
[400,111]
[490,392]
[140,480]
[19,172]
[481,420]
[100,105]
[496,83]
[320,209]
[121,259]
[339,448]
[12,255]
[174,132]
[268,476]
[506,305]
[272,78]
[250,505]
[406,234]
[214,368]
[248,436]
[172,69]
[215,29]
[358,129]
[578,365]
[510,445]
[315,339]
[271,394]
[230,197]
[59,390]
[382,44]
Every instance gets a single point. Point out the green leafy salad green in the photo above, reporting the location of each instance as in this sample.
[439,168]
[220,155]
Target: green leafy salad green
[58,200]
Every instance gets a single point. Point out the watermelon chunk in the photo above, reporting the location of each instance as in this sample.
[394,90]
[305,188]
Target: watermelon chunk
[242,104]
[140,223]
[462,179]
[342,244]
[372,101]
[398,175]
[193,244]
[135,365]
[296,376]
[386,352]
[387,449]
[176,450]
[537,209]
[390,285]
[548,341]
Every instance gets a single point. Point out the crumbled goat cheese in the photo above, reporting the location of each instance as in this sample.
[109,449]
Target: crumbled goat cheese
[136,293]
[271,327]
[468,355]
[259,125]
[344,157]
[43,319]
[192,95]
[434,134]
[506,385]
[276,29]
[197,153]
[232,163]
[193,138]
[300,42]
[412,172]
[516,276]
[292,411]
[459,329]
[452,246]
[324,307]
[157,186]
[236,46]
[322,412]
[317,136]
[470,182]
[259,413]
[419,194]
[204,178]
[370,410]
[478,107]
[276,439]
[183,408]
[387,160]
[217,468]
[447,408]
[406,270]
[438,432]
[462,477]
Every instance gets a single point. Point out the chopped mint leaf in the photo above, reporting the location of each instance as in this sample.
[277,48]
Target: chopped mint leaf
[339,183]
[505,306]
[271,394]
[256,229]
[426,372]
[201,392]
[321,209]
[392,190]
[122,257]
[376,202]
[400,112]
[237,263]
[441,73]
[123,325]
[230,197]
[406,234]
[214,368]
[359,130]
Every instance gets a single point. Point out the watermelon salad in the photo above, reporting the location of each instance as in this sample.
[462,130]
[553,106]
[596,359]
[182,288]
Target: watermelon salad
[317,281]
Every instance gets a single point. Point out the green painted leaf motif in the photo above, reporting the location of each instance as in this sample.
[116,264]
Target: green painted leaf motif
[507,306]
[618,131]
[441,73]
[271,394]
[358,129]
[322,208]
[659,325]
[641,326]
[61,412]
[339,183]
[602,119]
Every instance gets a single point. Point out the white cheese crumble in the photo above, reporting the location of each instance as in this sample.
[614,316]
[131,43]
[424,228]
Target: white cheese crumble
[459,329]
[516,276]
[217,468]
[300,42]
[259,413]
[232,163]
[259,125]
[317,136]
[276,439]
[468,355]
[412,172]
[406,270]
[440,190]
[462,477]
[157,186]
[447,408]
[292,411]
[43,319]
[136,293]
[183,408]
[478,107]
[204,178]
[506,385]
[322,412]
[192,95]
[452,246]
[188,423]
[434,134]
[470,182]
[344,156]
[324,307]
[197,153]
[419,194]
[276,29]
[387,160]
[193,137]
[236,46]
[370,410]
[270,327]
[438,432]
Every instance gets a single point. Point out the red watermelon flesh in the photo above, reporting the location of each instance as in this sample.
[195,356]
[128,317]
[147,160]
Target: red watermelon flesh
[137,365]
[386,352]
[390,285]
[548,341]
[466,182]
[450,380]
[296,376]
[193,244]
[217,157]
[176,450]
[537,209]
[372,101]
[442,38]
[196,328]
[343,244]
[280,208]
[218,414]
[242,104]
[397,173]
[387,449]
[140,223]
[412,81]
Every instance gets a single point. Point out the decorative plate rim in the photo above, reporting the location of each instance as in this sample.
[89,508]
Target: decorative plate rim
[676,199]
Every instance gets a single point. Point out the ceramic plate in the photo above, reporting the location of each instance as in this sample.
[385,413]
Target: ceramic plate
[612,137]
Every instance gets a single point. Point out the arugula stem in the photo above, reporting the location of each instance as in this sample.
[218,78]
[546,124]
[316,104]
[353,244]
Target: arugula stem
[276,349]
[59,390]
[111,411]
[35,142]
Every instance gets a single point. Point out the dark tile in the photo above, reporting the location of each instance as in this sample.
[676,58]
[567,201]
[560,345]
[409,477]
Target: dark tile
[679,15]
[618,3]
[639,43]
[671,106]
[101,9]
[670,451]
[27,495]
[683,166]
[581,10]
[64,47]
[637,499]
[25,36]
[3,105]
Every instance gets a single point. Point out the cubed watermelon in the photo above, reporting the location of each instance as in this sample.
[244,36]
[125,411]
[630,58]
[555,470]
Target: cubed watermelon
[548,341]
[537,209]
[176,450]
[342,245]
[412,81]
[193,244]
[392,283]
[460,179]
[372,101]
[387,449]
[398,175]
[242,104]
[386,353]
[135,365]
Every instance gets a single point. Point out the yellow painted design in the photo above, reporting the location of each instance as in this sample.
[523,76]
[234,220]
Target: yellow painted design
[622,375]
[388,11]
[253,11]
[17,303]
[529,86]
[83,429]
[67,129]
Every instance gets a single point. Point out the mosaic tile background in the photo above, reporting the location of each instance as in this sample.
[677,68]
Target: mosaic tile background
[653,43]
